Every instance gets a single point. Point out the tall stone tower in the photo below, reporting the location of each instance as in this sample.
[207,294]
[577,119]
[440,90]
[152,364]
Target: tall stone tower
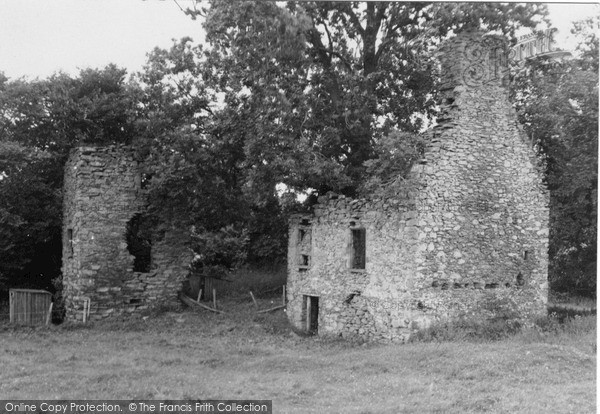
[103,201]
[465,236]
[483,208]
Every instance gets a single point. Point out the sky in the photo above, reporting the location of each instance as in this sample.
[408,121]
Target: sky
[40,37]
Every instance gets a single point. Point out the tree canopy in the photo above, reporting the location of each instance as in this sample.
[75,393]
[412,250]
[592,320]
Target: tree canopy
[40,121]
[316,84]
[558,106]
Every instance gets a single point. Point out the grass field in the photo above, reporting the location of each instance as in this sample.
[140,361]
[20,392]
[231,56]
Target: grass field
[244,355]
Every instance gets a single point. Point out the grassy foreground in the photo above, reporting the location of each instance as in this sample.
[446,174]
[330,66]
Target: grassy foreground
[243,355]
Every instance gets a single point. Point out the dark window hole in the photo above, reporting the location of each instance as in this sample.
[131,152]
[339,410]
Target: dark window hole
[435,284]
[359,248]
[444,286]
[70,237]
[491,285]
[302,234]
[457,286]
[420,305]
[138,243]
[134,301]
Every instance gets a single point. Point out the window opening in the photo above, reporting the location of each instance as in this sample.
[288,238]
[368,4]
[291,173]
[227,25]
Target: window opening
[139,244]
[70,241]
[359,249]
[304,246]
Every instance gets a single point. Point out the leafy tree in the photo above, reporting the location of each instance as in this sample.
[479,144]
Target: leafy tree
[193,176]
[40,121]
[317,84]
[558,105]
[31,209]
[307,95]
[59,112]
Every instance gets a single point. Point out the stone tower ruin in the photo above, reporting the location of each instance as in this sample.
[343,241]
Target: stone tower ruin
[465,236]
[103,201]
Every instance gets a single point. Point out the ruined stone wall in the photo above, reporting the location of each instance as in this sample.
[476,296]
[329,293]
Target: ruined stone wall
[483,209]
[467,238]
[353,301]
[102,193]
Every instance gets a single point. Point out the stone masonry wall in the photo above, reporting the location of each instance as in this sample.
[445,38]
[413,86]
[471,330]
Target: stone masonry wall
[354,302]
[466,238]
[483,209]
[102,194]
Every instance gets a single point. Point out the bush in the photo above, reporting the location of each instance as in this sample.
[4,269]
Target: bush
[217,253]
[570,325]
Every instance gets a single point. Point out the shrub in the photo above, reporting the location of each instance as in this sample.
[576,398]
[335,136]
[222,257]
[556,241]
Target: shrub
[555,326]
[217,253]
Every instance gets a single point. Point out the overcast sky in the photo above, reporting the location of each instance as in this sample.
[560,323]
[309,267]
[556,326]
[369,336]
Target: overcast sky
[40,37]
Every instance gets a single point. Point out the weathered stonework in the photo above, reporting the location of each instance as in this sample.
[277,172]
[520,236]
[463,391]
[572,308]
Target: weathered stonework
[102,193]
[465,236]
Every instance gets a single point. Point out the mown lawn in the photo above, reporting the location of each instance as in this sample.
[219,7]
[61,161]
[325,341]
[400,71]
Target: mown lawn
[243,355]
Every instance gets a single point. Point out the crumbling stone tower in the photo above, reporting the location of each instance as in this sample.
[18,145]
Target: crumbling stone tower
[103,200]
[465,236]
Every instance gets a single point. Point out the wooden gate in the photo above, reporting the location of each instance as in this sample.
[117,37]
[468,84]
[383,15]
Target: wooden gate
[30,306]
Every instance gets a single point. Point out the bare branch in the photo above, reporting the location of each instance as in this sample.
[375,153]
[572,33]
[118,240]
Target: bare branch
[355,21]
[180,8]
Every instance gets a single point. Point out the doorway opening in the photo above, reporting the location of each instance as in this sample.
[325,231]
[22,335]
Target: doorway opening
[310,313]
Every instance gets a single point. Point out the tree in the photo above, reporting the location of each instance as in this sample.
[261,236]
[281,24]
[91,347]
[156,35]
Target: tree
[30,223]
[317,84]
[558,105]
[40,121]
[195,167]
[307,94]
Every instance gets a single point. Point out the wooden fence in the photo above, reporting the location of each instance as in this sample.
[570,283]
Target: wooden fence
[30,307]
